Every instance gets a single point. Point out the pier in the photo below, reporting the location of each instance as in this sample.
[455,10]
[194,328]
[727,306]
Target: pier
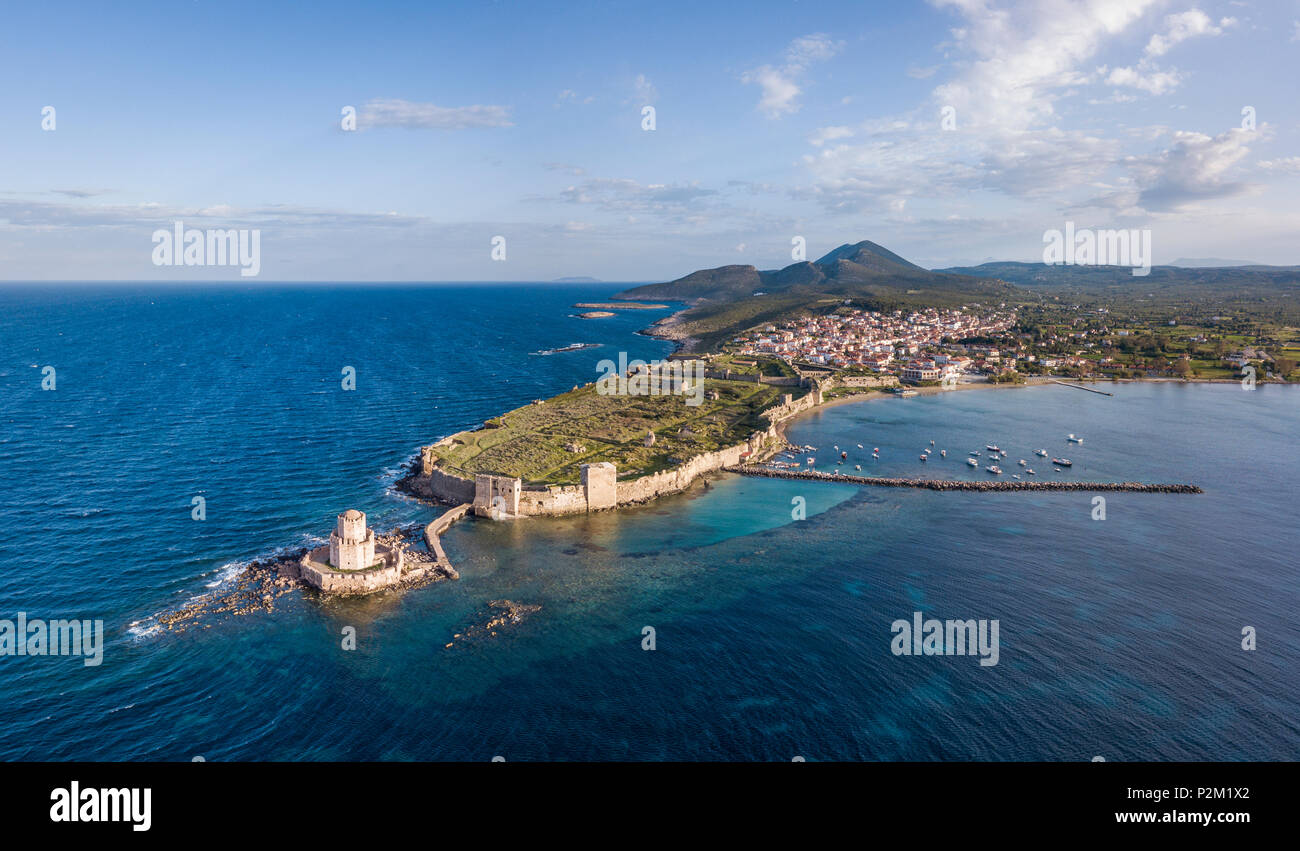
[958,485]
[1080,387]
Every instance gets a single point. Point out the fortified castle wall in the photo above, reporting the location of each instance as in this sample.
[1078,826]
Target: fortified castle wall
[500,496]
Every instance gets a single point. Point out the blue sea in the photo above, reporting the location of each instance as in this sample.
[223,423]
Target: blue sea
[1119,637]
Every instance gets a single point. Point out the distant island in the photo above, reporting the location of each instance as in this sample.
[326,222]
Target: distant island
[578,279]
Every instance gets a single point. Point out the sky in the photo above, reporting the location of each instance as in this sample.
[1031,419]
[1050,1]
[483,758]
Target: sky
[953,132]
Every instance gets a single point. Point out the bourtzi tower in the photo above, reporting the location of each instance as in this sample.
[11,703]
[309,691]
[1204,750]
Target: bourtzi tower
[353,563]
[352,545]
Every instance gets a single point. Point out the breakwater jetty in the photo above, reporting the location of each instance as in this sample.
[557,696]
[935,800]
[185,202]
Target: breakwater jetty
[1081,387]
[432,539]
[956,485]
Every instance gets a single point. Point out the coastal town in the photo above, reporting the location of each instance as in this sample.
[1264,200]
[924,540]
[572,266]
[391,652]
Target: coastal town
[919,345]
[994,343]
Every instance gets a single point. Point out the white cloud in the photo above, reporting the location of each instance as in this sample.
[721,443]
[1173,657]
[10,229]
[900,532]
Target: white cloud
[570,96]
[1183,26]
[644,92]
[1145,77]
[1194,168]
[780,84]
[822,135]
[395,112]
[1285,165]
[780,92]
[1015,65]
[806,49]
[620,195]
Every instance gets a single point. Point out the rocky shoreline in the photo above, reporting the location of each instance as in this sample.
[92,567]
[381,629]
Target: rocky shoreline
[261,583]
[958,485]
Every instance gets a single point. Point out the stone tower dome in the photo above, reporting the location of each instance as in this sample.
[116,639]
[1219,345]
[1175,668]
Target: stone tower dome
[352,525]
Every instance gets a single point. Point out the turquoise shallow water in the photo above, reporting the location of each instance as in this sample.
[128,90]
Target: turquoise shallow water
[1118,637]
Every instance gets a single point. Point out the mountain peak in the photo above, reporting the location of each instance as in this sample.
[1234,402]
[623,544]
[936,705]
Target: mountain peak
[869,254]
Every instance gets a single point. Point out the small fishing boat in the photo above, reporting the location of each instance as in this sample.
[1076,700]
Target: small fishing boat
[932,443]
[1029,471]
[943,453]
[1021,462]
[1063,462]
[924,457]
[1015,476]
[973,454]
[1041,453]
[857,466]
[994,469]
[992,448]
[972,462]
[859,445]
[811,461]
[1072,439]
